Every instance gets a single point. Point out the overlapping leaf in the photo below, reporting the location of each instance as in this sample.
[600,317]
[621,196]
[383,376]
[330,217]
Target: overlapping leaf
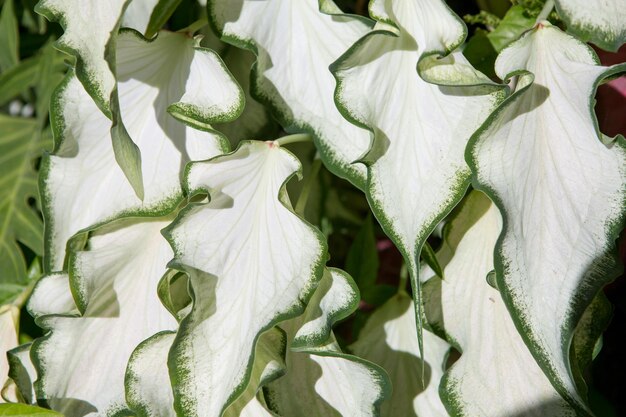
[8,339]
[22,374]
[601,22]
[321,380]
[81,362]
[389,339]
[137,15]
[251,261]
[82,184]
[561,191]
[90,30]
[474,317]
[416,172]
[148,387]
[295,43]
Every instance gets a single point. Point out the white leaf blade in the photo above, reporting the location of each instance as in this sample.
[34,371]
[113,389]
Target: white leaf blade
[321,380]
[336,297]
[82,361]
[148,388]
[243,237]
[52,295]
[326,382]
[603,23]
[473,316]
[308,42]
[88,41]
[80,193]
[8,339]
[147,382]
[416,167]
[137,15]
[23,374]
[389,339]
[551,266]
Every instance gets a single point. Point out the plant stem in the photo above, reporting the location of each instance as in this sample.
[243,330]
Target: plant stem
[404,277]
[195,26]
[545,12]
[306,189]
[295,138]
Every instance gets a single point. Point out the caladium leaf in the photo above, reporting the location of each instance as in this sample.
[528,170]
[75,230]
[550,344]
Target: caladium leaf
[148,387]
[8,338]
[295,41]
[472,315]
[561,214]
[82,184]
[416,170]
[600,22]
[90,43]
[52,295]
[326,382]
[255,120]
[389,339]
[22,373]
[335,298]
[115,287]
[269,364]
[240,253]
[587,340]
[137,15]
[320,379]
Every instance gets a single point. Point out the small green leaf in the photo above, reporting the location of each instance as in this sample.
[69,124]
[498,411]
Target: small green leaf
[480,52]
[26,410]
[9,37]
[20,144]
[127,155]
[515,22]
[161,13]
[428,256]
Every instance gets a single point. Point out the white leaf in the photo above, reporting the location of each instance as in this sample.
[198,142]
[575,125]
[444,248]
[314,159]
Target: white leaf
[473,316]
[389,339]
[251,261]
[602,22]
[88,27]
[321,380]
[8,338]
[325,382]
[83,185]
[335,298]
[560,189]
[137,14]
[416,171]
[82,361]
[295,43]
[255,121]
[22,375]
[52,295]
[148,386]
[269,364]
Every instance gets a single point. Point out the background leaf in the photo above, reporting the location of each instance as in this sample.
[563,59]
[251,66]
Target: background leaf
[9,37]
[26,410]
